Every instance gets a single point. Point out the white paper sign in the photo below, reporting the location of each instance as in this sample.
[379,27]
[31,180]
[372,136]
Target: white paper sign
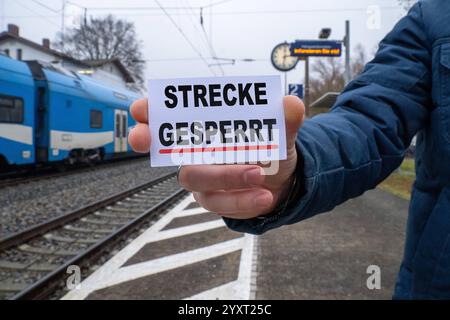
[216,120]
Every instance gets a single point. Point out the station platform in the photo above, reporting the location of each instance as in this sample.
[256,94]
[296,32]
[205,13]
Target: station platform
[190,254]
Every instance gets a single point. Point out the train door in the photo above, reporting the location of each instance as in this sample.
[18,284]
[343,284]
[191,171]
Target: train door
[124,131]
[120,131]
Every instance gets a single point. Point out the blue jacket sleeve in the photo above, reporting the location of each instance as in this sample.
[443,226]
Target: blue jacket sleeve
[363,139]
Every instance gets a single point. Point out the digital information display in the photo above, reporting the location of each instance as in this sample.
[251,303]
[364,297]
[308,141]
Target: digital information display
[316,48]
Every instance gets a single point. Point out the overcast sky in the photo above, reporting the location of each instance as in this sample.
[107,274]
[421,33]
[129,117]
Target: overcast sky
[237,28]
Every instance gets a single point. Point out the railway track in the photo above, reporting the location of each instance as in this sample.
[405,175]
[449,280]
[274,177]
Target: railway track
[34,262]
[27,176]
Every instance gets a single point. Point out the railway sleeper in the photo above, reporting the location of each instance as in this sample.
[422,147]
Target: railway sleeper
[142,195]
[122,211]
[134,200]
[146,193]
[63,253]
[133,204]
[102,222]
[8,265]
[43,267]
[117,215]
[135,207]
[54,237]
[123,205]
[12,287]
[84,230]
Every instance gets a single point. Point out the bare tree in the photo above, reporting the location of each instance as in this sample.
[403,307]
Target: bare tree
[103,39]
[328,76]
[359,60]
[328,73]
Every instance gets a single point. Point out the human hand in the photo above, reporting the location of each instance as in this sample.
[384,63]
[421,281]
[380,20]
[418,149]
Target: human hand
[233,191]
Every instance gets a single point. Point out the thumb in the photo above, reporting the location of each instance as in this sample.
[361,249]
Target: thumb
[294,111]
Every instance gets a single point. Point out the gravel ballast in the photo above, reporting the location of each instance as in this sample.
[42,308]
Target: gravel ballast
[28,204]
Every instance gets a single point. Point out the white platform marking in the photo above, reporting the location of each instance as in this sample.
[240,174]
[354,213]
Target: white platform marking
[179,232]
[112,272]
[191,212]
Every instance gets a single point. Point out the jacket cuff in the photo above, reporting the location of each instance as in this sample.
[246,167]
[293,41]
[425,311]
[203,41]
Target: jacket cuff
[264,223]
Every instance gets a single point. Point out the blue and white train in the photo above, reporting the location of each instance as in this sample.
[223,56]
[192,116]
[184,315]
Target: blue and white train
[48,115]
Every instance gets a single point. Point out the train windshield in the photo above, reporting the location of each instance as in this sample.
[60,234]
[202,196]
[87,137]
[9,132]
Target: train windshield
[11,109]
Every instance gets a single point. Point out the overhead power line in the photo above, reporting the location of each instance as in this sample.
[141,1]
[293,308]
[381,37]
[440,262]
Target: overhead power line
[181,8]
[206,41]
[229,60]
[36,13]
[214,4]
[45,6]
[185,36]
[224,13]
[268,12]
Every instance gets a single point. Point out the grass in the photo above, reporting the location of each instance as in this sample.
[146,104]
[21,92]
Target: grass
[400,182]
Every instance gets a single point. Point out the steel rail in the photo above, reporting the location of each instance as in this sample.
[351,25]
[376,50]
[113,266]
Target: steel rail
[21,237]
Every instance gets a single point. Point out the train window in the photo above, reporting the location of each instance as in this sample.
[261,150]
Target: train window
[11,109]
[19,54]
[7,52]
[96,119]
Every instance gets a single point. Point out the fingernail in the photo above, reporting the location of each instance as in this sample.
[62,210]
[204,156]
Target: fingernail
[254,177]
[263,200]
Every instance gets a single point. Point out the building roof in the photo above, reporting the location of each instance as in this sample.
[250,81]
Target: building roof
[116,61]
[8,35]
[326,101]
[85,63]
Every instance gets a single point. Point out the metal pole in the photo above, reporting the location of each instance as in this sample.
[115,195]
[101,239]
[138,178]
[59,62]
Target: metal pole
[63,21]
[307,88]
[2,15]
[286,84]
[210,22]
[348,75]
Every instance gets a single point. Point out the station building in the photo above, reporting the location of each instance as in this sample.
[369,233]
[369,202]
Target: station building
[110,71]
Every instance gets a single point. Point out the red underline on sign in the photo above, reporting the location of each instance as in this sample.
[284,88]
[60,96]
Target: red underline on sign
[219,149]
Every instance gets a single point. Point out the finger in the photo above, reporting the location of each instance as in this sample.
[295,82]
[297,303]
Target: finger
[220,177]
[139,138]
[294,111]
[139,110]
[244,204]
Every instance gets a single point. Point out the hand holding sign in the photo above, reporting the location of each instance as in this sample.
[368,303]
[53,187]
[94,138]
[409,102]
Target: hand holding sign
[235,191]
